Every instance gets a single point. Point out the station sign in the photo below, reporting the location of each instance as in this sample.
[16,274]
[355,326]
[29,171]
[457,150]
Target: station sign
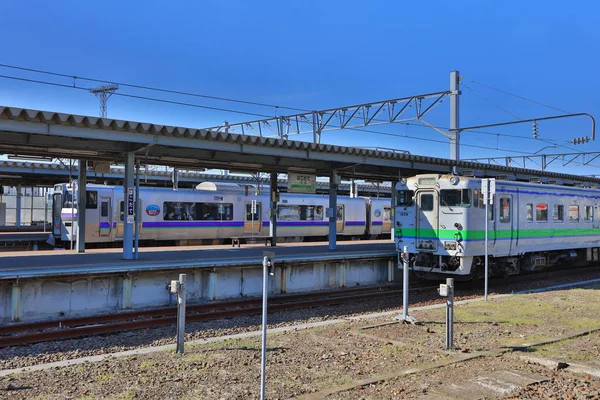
[302,183]
[130,206]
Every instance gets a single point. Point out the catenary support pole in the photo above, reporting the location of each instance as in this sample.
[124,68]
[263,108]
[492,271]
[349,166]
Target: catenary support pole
[333,210]
[454,116]
[81,205]
[127,195]
[273,215]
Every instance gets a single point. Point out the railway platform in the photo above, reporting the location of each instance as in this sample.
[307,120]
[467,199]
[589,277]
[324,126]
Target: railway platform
[51,284]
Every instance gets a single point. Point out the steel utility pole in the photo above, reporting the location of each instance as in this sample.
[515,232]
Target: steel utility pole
[103,93]
[454,116]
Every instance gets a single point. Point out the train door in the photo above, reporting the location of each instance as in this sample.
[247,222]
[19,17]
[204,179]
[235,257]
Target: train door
[120,219]
[106,224]
[253,219]
[504,231]
[427,220]
[341,218]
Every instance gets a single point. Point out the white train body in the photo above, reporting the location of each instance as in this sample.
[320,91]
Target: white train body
[215,212]
[441,219]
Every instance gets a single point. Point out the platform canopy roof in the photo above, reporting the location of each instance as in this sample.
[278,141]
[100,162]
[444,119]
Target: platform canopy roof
[58,135]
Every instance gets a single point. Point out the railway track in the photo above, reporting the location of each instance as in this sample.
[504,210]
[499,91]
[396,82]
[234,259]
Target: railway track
[70,328]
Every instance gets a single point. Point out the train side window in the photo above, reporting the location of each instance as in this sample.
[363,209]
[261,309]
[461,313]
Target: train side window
[504,209]
[529,212]
[573,213]
[405,198]
[252,215]
[541,212]
[476,198]
[558,212]
[588,215]
[121,211]
[91,199]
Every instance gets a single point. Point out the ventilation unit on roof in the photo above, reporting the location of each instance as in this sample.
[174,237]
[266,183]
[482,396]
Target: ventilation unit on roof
[555,182]
[474,173]
[506,177]
[582,184]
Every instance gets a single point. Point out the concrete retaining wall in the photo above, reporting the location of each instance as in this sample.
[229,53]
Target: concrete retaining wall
[39,299]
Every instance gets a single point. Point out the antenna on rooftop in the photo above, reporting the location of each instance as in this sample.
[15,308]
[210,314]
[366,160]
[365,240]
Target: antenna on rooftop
[103,93]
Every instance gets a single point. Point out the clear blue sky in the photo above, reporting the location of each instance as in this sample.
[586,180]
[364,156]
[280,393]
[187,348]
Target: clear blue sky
[314,55]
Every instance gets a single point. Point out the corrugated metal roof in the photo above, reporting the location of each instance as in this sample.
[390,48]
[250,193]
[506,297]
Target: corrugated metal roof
[321,153]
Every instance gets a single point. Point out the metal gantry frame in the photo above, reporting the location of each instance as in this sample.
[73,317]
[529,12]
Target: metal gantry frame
[542,161]
[347,117]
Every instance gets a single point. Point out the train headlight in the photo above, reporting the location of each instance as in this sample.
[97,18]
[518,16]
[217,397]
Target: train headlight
[454,180]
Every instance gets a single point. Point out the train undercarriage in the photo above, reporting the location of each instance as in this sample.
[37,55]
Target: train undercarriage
[434,266]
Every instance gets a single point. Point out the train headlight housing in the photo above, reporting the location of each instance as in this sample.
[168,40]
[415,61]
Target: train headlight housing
[454,180]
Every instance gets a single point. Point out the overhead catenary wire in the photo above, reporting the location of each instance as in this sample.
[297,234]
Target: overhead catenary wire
[136,96]
[276,107]
[127,95]
[517,96]
[75,77]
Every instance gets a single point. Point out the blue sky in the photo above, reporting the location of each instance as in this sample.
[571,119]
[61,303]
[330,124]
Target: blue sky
[315,55]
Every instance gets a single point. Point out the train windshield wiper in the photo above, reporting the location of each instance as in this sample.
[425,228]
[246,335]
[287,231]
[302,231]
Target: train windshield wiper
[446,204]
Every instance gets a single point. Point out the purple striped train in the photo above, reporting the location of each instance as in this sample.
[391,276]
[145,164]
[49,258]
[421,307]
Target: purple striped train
[214,213]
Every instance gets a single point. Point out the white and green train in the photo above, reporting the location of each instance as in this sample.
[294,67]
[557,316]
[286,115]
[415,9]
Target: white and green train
[531,226]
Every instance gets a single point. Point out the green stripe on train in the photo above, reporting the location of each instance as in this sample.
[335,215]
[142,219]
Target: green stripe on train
[449,234]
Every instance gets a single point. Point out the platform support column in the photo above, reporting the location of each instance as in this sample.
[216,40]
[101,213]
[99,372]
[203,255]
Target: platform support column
[273,215]
[127,223]
[81,204]
[393,208]
[333,184]
[212,285]
[16,302]
[343,266]
[138,215]
[19,195]
[390,271]
[127,285]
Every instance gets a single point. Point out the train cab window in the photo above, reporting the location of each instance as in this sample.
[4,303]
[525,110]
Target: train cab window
[541,212]
[405,198]
[68,200]
[91,199]
[121,211]
[558,213]
[504,209]
[475,198]
[455,197]
[426,202]
[529,212]
[588,214]
[573,213]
